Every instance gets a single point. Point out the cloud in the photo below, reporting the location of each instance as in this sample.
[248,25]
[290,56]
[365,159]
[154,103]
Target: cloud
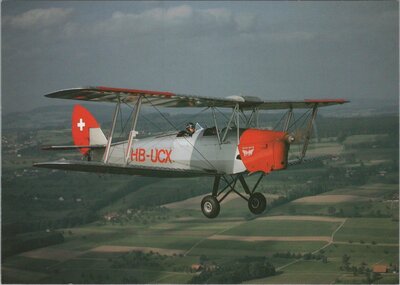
[39,18]
[180,21]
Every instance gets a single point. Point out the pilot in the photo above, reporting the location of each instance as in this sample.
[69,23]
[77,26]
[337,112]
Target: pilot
[189,131]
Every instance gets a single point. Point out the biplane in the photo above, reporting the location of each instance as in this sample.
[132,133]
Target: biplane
[229,153]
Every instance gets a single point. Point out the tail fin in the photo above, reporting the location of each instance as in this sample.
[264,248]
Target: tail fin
[85,129]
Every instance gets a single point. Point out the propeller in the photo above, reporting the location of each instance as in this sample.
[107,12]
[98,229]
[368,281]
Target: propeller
[300,134]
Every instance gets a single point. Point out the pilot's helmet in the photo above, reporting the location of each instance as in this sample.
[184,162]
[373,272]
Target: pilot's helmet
[190,126]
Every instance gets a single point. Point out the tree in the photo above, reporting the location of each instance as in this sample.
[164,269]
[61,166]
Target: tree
[256,270]
[371,277]
[341,137]
[202,259]
[345,262]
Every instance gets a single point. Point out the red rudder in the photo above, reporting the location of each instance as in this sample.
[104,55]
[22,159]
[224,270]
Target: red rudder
[82,121]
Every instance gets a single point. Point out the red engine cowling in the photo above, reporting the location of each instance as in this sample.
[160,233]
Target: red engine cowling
[264,150]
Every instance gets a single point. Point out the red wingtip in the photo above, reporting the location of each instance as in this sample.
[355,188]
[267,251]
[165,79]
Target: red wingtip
[82,121]
[338,101]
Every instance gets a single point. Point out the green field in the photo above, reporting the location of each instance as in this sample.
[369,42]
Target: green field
[184,235]
[369,230]
[284,228]
[375,190]
[241,248]
[343,207]
[309,272]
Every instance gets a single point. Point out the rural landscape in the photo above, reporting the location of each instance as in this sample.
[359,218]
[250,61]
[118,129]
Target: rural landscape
[332,221]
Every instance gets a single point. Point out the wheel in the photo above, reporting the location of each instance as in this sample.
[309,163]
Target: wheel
[210,206]
[257,203]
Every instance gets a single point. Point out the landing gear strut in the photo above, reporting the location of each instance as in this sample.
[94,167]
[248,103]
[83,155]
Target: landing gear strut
[210,205]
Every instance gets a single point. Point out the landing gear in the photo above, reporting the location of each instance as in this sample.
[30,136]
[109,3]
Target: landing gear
[257,203]
[210,205]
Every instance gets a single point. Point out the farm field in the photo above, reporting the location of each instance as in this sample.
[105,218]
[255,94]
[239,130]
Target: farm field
[317,214]
[88,252]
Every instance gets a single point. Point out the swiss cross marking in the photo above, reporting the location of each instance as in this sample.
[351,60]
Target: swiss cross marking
[81,124]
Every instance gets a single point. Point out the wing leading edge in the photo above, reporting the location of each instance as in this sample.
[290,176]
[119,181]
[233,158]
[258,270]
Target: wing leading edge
[172,100]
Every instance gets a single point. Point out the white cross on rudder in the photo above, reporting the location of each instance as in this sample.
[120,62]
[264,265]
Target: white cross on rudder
[81,124]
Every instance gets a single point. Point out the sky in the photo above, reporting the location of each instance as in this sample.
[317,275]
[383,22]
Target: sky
[273,50]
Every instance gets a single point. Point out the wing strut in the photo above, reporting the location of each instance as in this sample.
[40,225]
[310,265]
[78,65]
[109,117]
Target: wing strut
[107,151]
[133,132]
[309,132]
[237,123]
[251,118]
[216,126]
[236,109]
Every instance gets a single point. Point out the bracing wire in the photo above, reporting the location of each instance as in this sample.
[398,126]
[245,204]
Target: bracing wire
[226,118]
[295,121]
[280,120]
[195,115]
[243,117]
[172,125]
[141,115]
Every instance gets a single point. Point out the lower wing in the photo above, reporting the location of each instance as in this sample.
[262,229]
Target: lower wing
[100,167]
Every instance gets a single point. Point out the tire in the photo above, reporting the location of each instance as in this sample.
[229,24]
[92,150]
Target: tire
[257,203]
[210,206]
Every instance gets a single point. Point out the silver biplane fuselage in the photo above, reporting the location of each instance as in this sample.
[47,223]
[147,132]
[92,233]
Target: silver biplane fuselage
[201,152]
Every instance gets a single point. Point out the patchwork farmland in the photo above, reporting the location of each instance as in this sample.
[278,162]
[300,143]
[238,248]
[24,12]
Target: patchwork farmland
[88,251]
[325,223]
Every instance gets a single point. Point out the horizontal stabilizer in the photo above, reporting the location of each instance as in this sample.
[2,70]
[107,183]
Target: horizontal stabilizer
[97,137]
[71,147]
[100,167]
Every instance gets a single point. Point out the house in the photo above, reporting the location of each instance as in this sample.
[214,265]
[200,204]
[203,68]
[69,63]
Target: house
[111,216]
[196,267]
[379,268]
[210,267]
[382,173]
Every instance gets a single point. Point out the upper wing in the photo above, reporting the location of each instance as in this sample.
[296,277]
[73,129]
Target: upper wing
[168,99]
[307,103]
[99,167]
